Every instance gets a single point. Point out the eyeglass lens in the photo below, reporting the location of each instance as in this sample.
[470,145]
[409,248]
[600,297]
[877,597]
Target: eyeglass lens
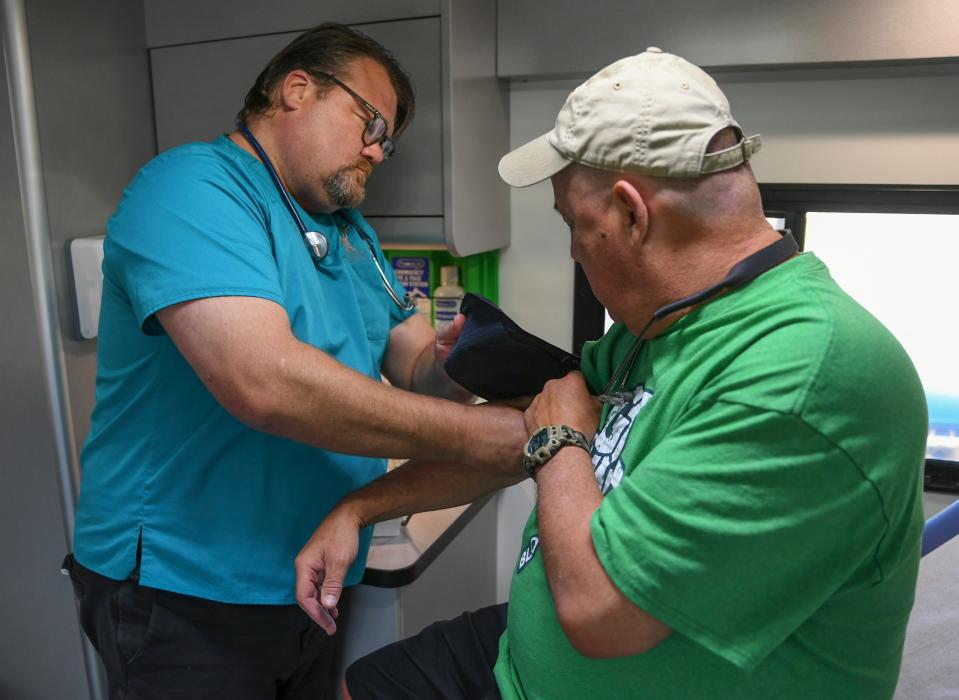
[375,132]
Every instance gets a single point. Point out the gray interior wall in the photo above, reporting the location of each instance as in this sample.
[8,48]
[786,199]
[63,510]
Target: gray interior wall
[198,89]
[571,37]
[91,82]
[536,274]
[853,92]
[172,22]
[38,629]
[442,188]
[852,127]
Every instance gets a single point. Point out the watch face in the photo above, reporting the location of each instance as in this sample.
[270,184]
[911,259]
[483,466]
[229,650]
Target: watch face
[538,440]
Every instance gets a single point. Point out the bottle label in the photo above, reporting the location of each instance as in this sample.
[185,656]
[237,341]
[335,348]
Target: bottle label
[446,309]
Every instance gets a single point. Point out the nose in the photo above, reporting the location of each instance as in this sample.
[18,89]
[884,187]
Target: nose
[373,153]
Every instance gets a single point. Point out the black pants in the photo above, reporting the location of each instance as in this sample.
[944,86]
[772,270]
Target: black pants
[446,661]
[157,645]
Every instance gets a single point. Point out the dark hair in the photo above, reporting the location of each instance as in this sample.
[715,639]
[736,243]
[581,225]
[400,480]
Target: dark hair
[328,48]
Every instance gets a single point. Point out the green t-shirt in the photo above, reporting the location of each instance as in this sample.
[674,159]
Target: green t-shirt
[762,499]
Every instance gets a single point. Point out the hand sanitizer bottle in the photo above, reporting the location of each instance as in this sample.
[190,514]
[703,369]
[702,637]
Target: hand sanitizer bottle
[447,297]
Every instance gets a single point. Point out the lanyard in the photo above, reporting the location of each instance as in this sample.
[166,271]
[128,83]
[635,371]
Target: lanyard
[745,270]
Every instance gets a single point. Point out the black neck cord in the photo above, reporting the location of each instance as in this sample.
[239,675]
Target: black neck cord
[745,270]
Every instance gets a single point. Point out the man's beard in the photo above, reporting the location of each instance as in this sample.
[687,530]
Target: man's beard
[347,186]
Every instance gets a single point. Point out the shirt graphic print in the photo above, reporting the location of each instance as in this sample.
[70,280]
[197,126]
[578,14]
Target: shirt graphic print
[608,444]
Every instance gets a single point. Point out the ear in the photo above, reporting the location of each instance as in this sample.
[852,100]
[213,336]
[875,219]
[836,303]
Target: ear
[296,86]
[633,209]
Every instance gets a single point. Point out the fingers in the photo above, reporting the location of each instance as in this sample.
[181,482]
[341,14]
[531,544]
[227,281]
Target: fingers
[320,615]
[331,590]
[567,401]
[449,332]
[446,336]
[454,329]
[308,596]
[322,564]
[327,621]
[308,576]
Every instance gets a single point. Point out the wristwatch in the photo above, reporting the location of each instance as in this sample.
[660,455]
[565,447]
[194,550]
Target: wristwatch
[546,442]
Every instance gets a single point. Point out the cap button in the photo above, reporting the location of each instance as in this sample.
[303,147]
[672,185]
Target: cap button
[654,49]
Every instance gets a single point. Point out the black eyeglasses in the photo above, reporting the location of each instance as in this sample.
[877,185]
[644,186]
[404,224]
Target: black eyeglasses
[375,130]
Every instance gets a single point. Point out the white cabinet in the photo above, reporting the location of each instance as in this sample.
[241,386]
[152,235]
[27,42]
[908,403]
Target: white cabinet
[199,88]
[441,188]
[575,38]
[170,22]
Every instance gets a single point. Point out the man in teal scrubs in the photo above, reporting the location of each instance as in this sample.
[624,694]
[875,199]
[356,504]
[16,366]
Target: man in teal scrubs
[238,385]
[742,517]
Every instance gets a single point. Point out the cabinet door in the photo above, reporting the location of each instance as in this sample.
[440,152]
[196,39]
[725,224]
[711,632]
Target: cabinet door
[199,88]
[411,182]
[171,22]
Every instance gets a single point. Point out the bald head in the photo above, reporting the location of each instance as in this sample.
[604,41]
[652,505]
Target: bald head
[724,204]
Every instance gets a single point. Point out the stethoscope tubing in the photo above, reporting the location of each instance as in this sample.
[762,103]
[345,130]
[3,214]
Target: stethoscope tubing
[316,242]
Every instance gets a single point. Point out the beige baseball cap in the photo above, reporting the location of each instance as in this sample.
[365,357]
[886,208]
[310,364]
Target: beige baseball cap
[653,113]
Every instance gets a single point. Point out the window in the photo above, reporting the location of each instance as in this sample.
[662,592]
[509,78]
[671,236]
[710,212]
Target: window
[902,268]
[909,239]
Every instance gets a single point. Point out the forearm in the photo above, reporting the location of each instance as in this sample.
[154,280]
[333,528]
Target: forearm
[567,497]
[322,564]
[273,382]
[599,621]
[317,400]
[418,486]
[415,355]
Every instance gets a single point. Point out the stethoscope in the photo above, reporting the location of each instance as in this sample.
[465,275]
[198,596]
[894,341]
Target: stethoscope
[615,393]
[316,242]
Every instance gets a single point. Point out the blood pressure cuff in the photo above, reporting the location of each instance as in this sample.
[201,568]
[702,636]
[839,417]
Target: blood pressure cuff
[496,359]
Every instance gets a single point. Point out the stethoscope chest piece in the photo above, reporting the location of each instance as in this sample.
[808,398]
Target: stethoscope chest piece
[317,244]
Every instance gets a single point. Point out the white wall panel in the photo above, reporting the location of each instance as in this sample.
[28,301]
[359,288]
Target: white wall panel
[536,273]
[187,21]
[894,130]
[548,38]
[199,88]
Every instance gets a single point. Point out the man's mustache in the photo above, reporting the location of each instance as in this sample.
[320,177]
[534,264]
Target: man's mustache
[363,165]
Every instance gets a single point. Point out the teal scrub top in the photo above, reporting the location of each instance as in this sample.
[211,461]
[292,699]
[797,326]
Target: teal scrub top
[220,509]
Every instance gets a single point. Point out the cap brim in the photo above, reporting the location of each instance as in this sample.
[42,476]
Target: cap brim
[531,163]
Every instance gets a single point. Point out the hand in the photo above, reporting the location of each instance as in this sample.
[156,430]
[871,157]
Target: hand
[447,335]
[322,564]
[565,401]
